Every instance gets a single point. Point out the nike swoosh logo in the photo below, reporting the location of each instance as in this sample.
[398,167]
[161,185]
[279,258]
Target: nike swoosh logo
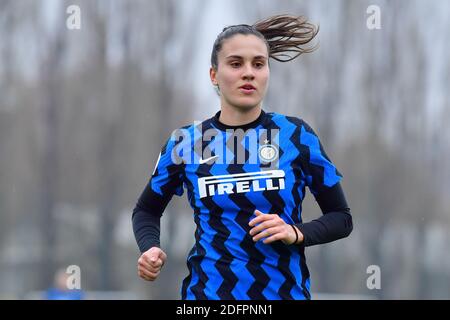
[202,161]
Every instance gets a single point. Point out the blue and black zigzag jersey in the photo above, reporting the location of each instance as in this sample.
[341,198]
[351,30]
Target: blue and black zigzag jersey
[228,173]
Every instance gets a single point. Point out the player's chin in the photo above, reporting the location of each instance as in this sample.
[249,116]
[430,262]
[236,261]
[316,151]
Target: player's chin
[247,103]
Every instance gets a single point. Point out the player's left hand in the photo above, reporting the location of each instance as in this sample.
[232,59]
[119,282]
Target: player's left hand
[273,228]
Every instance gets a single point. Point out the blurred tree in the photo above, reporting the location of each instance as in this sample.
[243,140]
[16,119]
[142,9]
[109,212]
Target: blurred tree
[52,77]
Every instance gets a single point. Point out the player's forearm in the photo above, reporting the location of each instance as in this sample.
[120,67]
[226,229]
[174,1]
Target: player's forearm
[329,227]
[146,228]
[146,218]
[336,222]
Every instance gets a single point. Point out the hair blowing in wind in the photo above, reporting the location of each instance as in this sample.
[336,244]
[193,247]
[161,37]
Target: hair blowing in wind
[287,36]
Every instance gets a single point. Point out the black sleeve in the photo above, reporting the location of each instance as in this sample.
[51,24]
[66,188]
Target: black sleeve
[165,182]
[146,218]
[335,223]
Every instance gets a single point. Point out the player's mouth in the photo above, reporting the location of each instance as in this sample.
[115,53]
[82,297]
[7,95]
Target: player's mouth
[247,89]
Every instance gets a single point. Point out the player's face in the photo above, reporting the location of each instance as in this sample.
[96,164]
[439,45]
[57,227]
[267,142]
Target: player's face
[242,72]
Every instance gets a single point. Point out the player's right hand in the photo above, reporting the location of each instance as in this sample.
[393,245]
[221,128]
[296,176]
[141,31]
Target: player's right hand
[150,263]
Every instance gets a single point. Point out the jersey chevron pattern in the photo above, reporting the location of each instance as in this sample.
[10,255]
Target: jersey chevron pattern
[225,263]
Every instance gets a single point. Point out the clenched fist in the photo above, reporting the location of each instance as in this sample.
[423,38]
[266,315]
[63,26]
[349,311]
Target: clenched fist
[150,263]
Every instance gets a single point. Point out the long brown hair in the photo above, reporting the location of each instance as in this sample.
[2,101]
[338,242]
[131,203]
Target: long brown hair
[284,35]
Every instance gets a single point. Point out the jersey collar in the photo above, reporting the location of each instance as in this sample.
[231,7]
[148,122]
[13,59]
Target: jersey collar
[244,127]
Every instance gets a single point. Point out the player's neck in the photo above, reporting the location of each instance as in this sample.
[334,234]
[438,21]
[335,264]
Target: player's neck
[232,116]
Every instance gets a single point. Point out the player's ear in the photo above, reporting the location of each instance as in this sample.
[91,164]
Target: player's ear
[213,76]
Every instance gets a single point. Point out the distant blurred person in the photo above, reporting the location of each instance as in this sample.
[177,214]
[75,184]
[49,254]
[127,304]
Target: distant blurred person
[245,172]
[60,290]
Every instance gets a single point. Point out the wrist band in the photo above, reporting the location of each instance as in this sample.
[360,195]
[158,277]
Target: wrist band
[296,234]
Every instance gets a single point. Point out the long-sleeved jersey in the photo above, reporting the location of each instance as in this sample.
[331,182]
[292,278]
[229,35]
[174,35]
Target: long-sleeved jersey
[228,173]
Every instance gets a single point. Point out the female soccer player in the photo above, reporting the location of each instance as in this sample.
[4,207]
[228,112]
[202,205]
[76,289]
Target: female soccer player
[245,172]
